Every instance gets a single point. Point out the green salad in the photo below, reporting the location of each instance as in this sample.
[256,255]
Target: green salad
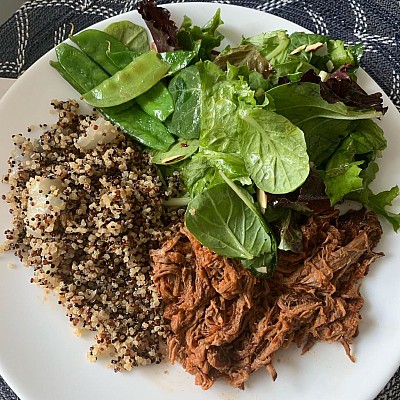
[264,133]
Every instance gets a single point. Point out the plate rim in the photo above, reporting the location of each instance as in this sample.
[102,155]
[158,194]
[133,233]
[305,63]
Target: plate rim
[32,69]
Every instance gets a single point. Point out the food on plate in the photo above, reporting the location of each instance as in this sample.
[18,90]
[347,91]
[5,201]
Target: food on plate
[87,209]
[225,322]
[196,206]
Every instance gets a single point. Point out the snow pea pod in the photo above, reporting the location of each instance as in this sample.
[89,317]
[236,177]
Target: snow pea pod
[177,59]
[140,126]
[122,58]
[73,82]
[83,74]
[96,44]
[80,67]
[132,81]
[157,101]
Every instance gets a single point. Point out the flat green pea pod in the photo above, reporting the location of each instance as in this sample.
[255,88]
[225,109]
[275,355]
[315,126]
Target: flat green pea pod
[122,58]
[73,82]
[83,74]
[141,127]
[96,44]
[80,67]
[157,101]
[177,59]
[132,81]
[179,151]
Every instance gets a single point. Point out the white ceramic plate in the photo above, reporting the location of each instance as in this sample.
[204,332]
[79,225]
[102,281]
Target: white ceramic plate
[42,359]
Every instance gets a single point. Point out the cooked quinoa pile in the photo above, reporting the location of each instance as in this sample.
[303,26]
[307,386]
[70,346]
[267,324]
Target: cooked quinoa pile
[87,209]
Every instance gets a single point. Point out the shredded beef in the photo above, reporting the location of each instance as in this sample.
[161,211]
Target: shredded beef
[226,323]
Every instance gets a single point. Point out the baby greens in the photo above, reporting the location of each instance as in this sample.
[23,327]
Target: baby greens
[276,125]
[274,151]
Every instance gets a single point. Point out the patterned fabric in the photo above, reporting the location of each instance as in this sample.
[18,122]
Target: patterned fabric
[39,25]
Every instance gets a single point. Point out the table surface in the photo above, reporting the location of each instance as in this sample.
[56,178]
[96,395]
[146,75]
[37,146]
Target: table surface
[377,36]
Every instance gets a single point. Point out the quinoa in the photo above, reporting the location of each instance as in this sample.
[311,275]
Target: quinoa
[85,217]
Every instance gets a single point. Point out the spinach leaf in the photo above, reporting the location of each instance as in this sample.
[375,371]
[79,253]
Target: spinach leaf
[274,151]
[179,59]
[185,89]
[226,221]
[342,173]
[290,235]
[231,164]
[300,39]
[263,266]
[339,55]
[131,35]
[179,151]
[291,70]
[198,174]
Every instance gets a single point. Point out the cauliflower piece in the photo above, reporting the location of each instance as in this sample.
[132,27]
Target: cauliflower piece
[44,206]
[99,131]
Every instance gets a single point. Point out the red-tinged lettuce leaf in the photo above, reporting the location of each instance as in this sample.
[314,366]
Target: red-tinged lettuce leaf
[244,55]
[162,28]
[340,87]
[310,197]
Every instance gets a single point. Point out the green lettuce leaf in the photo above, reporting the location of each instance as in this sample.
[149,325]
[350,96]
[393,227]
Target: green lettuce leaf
[273,46]
[377,202]
[342,173]
[208,35]
[324,124]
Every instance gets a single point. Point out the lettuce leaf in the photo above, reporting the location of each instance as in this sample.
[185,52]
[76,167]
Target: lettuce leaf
[377,202]
[324,124]
[342,173]
[162,28]
[208,36]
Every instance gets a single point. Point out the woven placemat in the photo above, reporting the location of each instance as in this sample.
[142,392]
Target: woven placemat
[39,25]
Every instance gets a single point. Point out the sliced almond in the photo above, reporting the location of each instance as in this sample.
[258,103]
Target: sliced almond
[262,200]
[171,159]
[324,76]
[330,66]
[298,50]
[314,47]
[153,46]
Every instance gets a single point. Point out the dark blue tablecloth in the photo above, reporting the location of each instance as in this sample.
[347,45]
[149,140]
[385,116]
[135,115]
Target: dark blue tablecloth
[41,24]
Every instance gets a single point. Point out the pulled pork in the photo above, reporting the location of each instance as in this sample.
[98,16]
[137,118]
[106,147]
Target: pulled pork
[226,323]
